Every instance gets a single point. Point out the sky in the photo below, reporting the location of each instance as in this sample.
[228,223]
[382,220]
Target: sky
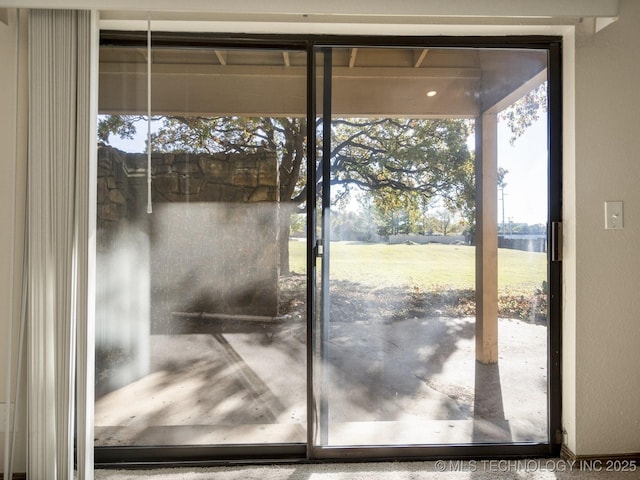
[525,199]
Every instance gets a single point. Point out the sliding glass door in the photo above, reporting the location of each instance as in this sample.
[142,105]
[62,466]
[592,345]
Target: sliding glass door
[325,251]
[201,286]
[433,321]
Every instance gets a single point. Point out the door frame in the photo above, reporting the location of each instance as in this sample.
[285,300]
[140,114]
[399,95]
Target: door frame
[232,454]
[553,45]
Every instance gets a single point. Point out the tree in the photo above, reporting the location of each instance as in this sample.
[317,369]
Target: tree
[400,162]
[444,219]
[396,212]
[404,163]
[428,157]
[120,125]
[298,223]
[521,114]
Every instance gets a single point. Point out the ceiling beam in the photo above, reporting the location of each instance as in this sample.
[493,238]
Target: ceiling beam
[221,57]
[423,54]
[352,57]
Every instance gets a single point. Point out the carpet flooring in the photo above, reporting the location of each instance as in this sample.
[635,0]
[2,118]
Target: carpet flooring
[545,469]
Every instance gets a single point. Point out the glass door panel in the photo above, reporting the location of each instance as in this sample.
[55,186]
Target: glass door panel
[420,262]
[433,319]
[201,281]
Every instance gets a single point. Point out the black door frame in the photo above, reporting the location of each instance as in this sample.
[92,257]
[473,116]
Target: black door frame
[117,457]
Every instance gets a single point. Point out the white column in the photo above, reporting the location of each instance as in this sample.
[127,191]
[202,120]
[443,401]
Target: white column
[487,239]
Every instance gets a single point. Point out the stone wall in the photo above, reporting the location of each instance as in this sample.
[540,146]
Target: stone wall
[181,177]
[220,177]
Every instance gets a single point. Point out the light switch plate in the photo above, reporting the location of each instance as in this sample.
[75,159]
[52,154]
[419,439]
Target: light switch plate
[613,216]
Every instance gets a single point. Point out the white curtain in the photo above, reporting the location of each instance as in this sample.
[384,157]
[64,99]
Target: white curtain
[58,221]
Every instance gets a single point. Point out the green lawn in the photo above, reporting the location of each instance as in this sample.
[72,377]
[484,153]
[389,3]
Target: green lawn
[427,267]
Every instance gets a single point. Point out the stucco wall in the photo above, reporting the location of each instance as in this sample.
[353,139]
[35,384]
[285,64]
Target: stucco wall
[602,268]
[607,347]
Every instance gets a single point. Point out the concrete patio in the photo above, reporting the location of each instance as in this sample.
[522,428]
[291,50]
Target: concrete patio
[412,381]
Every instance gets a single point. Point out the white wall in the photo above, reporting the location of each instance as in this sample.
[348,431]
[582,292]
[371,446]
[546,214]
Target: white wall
[11,235]
[602,267]
[356,8]
[607,347]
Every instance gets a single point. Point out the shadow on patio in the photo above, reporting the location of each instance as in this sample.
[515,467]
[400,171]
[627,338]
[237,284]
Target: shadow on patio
[395,379]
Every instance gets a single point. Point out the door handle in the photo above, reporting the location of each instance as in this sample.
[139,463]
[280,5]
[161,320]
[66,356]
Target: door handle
[556,241]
